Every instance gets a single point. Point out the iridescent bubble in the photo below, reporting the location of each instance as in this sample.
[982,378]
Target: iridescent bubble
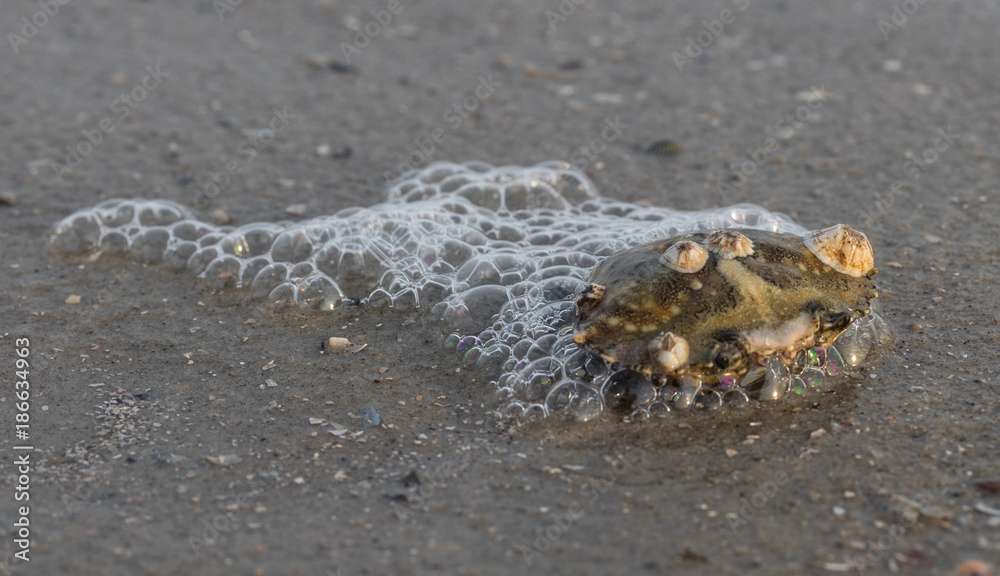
[685,392]
[815,356]
[813,377]
[726,381]
[472,356]
[797,385]
[467,343]
[834,362]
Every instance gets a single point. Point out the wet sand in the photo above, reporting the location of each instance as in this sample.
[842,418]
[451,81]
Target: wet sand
[816,110]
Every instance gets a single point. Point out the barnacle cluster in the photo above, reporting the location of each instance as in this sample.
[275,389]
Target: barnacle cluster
[501,254]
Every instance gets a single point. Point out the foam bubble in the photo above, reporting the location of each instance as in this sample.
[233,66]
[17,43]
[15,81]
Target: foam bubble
[497,252]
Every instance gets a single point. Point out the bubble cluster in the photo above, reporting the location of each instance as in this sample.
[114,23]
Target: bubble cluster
[498,253]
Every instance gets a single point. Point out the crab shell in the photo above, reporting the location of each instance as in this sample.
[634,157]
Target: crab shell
[716,303]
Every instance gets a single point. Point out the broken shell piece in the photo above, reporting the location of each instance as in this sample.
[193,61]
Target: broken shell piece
[335,344]
[669,351]
[842,248]
[729,244]
[224,459]
[685,256]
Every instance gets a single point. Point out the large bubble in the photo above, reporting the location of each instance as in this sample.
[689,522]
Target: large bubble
[498,253]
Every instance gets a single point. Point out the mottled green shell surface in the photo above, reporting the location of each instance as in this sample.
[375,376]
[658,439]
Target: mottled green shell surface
[732,312]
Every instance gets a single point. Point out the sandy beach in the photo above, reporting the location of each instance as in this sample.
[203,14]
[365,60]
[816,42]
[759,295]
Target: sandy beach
[177,428]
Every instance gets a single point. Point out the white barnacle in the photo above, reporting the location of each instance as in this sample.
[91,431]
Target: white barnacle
[729,244]
[842,248]
[685,256]
[669,351]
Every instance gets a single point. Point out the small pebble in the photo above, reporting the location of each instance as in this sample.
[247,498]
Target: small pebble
[73,299]
[839,511]
[892,65]
[318,61]
[991,485]
[372,417]
[7,198]
[219,217]
[973,568]
[915,326]
[606,98]
[163,457]
[665,148]
[894,265]
[296,209]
